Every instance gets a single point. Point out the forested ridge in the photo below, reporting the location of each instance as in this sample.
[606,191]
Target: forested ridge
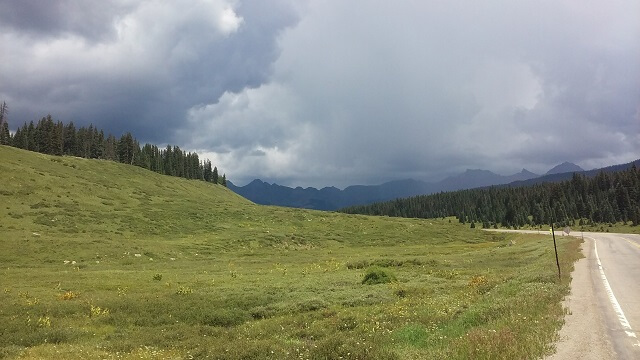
[56,138]
[605,198]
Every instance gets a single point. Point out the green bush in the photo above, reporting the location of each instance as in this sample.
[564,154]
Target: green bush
[225,317]
[377,275]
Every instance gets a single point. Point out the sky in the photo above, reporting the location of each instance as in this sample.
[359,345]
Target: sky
[336,93]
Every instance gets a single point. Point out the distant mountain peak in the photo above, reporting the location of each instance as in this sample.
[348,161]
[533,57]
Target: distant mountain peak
[565,167]
[476,172]
[257,182]
[527,173]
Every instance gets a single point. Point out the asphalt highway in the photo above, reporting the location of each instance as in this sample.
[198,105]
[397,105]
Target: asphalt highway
[614,266]
[603,320]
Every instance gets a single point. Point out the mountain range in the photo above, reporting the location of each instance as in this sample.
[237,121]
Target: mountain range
[332,198]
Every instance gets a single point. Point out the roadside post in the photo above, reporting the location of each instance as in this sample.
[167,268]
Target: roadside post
[555,247]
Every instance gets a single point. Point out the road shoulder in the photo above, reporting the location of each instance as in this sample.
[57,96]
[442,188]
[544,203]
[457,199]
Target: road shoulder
[584,335]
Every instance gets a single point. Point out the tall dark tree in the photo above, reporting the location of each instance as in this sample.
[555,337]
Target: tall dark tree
[5,136]
[4,110]
[168,161]
[125,149]
[70,141]
[18,139]
[97,144]
[214,176]
[111,148]
[56,138]
[208,172]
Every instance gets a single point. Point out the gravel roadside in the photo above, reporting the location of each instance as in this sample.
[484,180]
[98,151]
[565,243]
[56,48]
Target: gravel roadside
[584,335]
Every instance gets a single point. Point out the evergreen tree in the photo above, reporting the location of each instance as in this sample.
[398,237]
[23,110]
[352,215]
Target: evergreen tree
[70,142]
[111,148]
[168,161]
[18,139]
[97,144]
[214,176]
[125,149]
[5,136]
[224,180]
[207,171]
[30,141]
[56,138]
[3,111]
[607,197]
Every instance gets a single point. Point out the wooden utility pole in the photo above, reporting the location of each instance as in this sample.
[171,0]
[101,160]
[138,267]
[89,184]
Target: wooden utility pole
[555,247]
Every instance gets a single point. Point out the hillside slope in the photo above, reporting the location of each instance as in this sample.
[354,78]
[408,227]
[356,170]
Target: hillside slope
[104,260]
[51,195]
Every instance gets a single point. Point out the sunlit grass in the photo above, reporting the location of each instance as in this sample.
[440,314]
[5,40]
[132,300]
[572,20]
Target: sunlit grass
[103,260]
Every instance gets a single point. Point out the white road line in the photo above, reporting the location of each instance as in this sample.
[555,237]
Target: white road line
[616,306]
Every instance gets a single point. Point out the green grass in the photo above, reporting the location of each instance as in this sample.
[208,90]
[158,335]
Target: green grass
[104,260]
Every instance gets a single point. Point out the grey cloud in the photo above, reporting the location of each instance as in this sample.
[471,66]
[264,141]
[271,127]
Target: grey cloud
[401,89]
[164,59]
[257,152]
[345,92]
[50,19]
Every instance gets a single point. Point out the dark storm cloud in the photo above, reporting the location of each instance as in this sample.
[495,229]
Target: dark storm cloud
[339,92]
[135,66]
[89,19]
[424,89]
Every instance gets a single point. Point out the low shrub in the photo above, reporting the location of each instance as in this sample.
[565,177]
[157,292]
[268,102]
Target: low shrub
[377,275]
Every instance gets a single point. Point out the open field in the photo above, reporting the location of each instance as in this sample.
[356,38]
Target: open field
[104,260]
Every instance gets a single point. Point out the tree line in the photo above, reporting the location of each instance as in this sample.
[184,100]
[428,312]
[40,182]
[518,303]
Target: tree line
[605,198]
[56,138]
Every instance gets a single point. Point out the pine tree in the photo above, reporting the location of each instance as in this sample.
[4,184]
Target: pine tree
[70,142]
[3,112]
[214,176]
[208,173]
[111,148]
[97,144]
[18,139]
[30,142]
[224,180]
[5,136]
[126,149]
[57,141]
[168,161]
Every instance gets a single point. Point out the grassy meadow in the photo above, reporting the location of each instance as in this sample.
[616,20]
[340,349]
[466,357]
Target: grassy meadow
[107,261]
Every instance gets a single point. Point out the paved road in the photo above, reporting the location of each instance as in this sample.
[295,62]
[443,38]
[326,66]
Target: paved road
[614,266]
[604,304]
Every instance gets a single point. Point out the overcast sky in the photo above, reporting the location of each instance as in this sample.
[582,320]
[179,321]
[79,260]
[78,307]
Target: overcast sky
[320,93]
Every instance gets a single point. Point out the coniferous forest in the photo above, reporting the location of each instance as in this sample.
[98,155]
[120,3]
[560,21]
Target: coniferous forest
[56,138]
[605,198]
